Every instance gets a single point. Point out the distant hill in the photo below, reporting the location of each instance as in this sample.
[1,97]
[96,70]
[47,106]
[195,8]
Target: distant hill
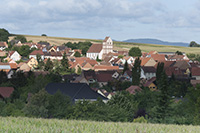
[156,41]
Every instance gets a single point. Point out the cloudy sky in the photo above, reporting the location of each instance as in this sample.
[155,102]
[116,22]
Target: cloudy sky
[168,20]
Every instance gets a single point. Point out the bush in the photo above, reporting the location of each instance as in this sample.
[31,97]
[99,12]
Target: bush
[140,120]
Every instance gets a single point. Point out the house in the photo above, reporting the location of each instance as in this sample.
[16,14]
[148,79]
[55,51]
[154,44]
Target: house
[76,91]
[148,61]
[14,55]
[32,63]
[98,50]
[35,53]
[23,67]
[158,57]
[105,68]
[2,53]
[195,72]
[103,78]
[151,84]
[104,93]
[177,57]
[149,72]
[3,45]
[127,76]
[5,67]
[5,92]
[53,55]
[83,63]
[133,89]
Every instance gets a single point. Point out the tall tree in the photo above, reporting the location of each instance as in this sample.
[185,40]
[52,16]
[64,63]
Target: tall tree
[163,107]
[125,67]
[159,71]
[136,72]
[135,52]
[64,62]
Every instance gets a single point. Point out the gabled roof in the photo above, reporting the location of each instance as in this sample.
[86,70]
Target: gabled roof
[11,53]
[182,64]
[3,44]
[13,65]
[144,61]
[40,52]
[5,92]
[133,89]
[74,90]
[95,48]
[149,69]
[152,80]
[158,57]
[106,39]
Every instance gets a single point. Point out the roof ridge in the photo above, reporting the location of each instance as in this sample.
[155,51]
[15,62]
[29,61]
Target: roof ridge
[78,91]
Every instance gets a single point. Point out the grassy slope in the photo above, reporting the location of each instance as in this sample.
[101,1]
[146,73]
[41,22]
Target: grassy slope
[20,124]
[117,45]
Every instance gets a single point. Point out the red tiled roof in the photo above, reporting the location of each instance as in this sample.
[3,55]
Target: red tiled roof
[158,57]
[3,44]
[5,92]
[133,89]
[174,70]
[95,48]
[13,65]
[149,82]
[37,52]
[105,40]
[104,77]
[101,67]
[144,61]
[195,71]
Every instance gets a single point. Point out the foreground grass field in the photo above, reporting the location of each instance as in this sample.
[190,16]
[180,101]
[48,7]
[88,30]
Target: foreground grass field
[33,125]
[117,45]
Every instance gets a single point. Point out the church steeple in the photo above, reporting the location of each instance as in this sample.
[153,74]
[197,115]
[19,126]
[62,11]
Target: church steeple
[107,45]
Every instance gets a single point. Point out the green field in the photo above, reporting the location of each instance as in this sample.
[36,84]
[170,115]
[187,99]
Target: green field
[33,125]
[117,45]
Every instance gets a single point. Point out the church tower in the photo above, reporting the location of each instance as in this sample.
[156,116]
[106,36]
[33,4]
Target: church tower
[107,45]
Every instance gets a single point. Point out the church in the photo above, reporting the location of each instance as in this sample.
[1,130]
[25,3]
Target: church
[98,50]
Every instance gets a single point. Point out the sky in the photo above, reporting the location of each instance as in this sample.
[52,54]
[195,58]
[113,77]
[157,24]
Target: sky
[167,20]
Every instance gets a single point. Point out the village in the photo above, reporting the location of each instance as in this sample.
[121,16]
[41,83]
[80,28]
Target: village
[99,68]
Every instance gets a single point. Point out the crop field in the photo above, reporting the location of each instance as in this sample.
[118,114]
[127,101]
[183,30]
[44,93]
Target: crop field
[33,125]
[117,45]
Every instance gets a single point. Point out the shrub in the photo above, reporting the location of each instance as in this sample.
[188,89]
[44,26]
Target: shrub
[140,120]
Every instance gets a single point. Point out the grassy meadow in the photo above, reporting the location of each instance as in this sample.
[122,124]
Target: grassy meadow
[33,125]
[117,45]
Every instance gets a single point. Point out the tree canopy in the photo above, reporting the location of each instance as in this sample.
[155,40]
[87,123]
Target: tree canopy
[4,34]
[21,38]
[135,52]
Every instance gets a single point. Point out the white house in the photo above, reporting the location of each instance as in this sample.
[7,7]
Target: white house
[35,53]
[14,55]
[98,50]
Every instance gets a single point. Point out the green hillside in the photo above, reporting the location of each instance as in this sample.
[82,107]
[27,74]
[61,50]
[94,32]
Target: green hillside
[33,125]
[117,45]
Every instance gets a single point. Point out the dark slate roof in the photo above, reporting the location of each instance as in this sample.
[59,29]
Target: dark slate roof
[149,69]
[74,90]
